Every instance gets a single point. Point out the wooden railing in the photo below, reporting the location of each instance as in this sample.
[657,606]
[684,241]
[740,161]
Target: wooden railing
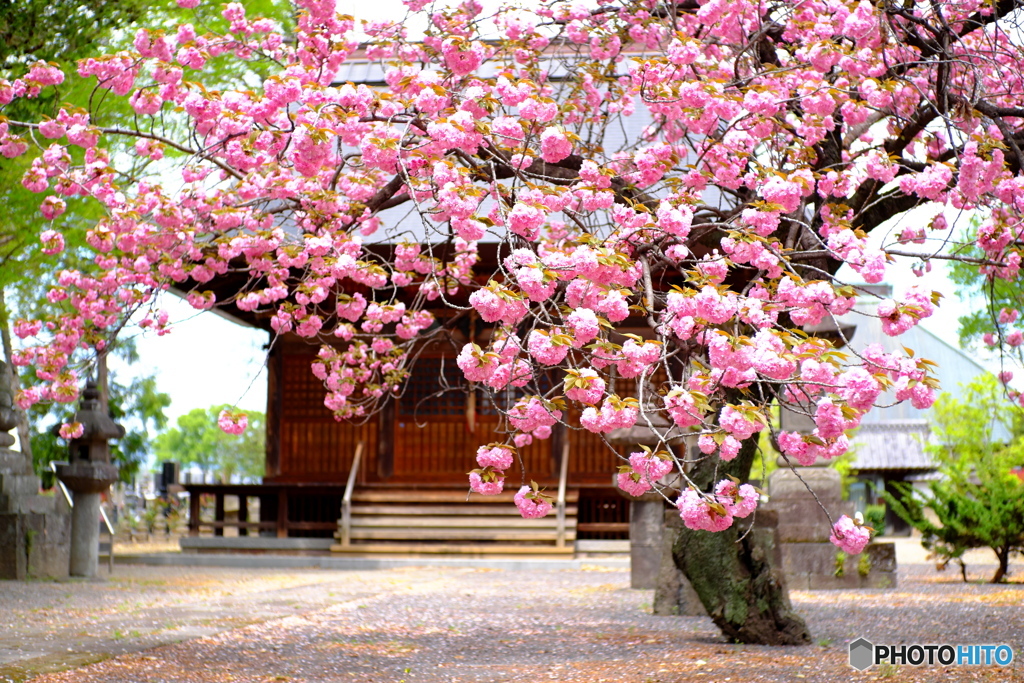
[346,500]
[278,497]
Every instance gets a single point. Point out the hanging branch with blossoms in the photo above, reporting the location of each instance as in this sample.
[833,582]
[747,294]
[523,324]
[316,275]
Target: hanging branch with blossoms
[776,137]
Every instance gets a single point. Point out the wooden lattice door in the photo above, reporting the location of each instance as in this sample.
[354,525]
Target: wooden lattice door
[435,435]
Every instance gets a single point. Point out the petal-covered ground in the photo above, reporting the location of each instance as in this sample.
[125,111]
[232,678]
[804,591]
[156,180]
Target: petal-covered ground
[482,625]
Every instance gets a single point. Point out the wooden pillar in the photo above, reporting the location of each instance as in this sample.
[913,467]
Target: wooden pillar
[193,513]
[282,513]
[218,512]
[243,514]
[386,440]
[559,438]
[275,403]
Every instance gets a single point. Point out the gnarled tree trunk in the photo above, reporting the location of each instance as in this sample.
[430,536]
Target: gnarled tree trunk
[737,581]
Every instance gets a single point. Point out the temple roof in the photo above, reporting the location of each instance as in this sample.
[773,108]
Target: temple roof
[892,445]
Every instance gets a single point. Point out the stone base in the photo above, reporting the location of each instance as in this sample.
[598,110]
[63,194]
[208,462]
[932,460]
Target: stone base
[34,545]
[801,520]
[812,566]
[808,558]
[35,530]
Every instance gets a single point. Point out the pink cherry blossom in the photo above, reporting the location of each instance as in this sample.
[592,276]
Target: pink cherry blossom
[584,386]
[849,536]
[584,325]
[697,512]
[554,145]
[496,456]
[690,261]
[739,500]
[531,504]
[632,483]
[651,467]
[488,483]
[73,430]
[232,421]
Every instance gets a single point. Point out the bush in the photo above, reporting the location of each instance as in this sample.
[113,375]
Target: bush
[874,517]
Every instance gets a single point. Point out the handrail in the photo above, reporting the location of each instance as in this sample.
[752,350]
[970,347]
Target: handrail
[563,474]
[110,530]
[346,500]
[106,521]
[63,489]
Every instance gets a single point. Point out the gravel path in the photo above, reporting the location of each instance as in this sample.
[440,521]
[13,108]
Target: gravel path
[468,625]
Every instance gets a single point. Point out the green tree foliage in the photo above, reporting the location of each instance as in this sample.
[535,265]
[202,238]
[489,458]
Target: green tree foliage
[58,29]
[986,295]
[979,503]
[199,441]
[63,31]
[138,406]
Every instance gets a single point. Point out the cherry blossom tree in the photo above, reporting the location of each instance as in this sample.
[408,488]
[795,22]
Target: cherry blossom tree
[779,142]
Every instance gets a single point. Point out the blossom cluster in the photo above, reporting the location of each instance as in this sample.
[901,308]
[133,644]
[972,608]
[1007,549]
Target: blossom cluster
[679,281]
[717,511]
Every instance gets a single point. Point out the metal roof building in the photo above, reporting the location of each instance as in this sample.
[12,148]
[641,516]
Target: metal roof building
[894,437]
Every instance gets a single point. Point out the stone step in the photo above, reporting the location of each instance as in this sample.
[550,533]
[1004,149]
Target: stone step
[441,496]
[19,484]
[465,549]
[14,462]
[35,503]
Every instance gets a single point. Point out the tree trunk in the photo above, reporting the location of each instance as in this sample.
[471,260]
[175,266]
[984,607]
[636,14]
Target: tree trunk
[1003,554]
[24,432]
[742,591]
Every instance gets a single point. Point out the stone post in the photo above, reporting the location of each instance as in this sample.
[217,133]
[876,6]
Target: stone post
[646,512]
[645,535]
[809,560]
[85,534]
[88,475]
[34,529]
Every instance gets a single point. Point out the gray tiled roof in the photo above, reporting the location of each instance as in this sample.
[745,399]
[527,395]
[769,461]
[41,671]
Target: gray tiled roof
[894,445]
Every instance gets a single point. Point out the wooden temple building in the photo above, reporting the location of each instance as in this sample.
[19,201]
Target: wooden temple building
[407,487]
[397,482]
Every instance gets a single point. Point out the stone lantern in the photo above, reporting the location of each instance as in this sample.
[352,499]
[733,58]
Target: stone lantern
[88,474]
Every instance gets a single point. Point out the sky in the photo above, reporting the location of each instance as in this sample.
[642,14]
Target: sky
[205,360]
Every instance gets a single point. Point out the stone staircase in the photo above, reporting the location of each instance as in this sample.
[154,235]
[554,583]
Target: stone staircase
[446,521]
[35,530]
